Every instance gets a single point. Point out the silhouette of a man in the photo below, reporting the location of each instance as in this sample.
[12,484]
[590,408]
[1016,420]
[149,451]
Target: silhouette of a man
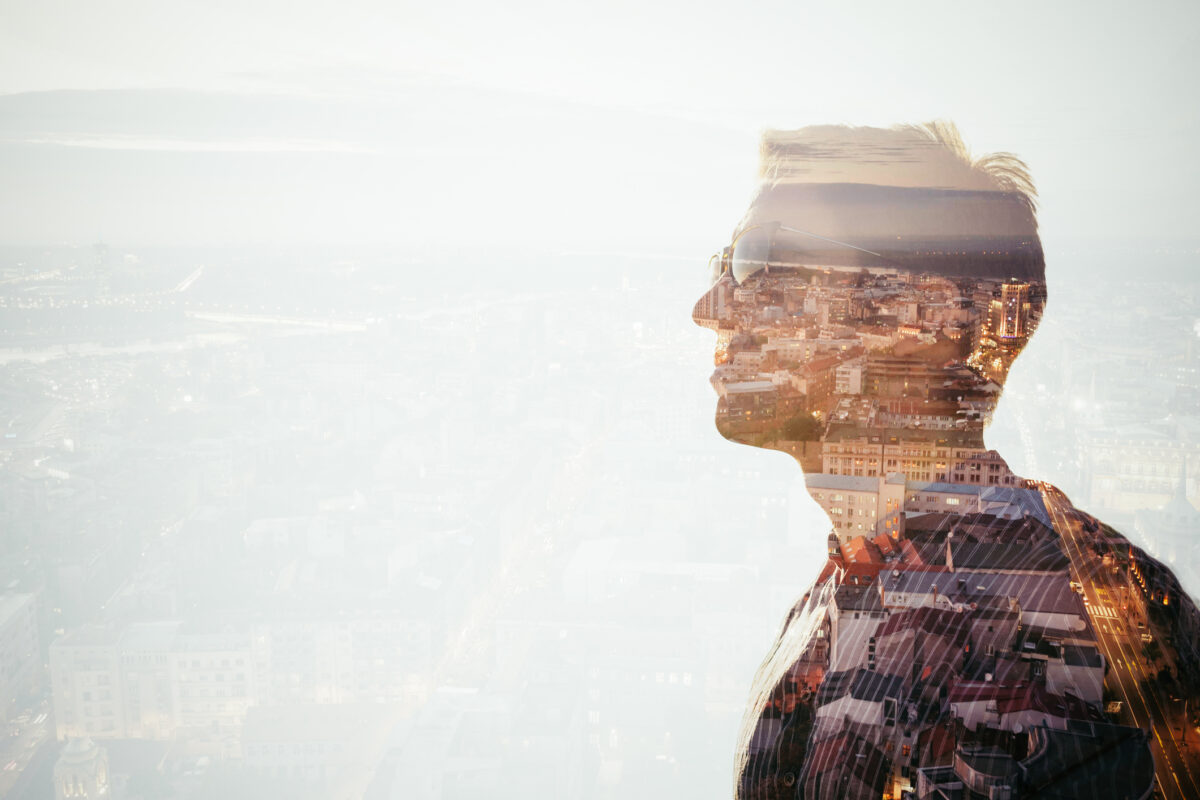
[972,634]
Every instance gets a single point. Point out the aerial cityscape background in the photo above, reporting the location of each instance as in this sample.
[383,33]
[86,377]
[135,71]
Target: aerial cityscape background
[231,525]
[357,439]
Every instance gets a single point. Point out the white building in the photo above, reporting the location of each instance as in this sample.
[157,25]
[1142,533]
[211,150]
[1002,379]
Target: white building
[85,676]
[869,701]
[151,681]
[1015,708]
[848,379]
[860,506]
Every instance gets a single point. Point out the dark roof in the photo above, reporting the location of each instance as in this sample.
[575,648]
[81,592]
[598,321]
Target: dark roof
[1018,697]
[861,684]
[1088,760]
[851,755]
[1044,556]
[932,528]
[857,598]
[1046,592]
[1048,642]
[936,745]
[935,621]
[1078,655]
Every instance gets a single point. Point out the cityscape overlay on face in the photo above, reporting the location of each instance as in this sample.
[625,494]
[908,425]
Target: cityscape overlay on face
[973,634]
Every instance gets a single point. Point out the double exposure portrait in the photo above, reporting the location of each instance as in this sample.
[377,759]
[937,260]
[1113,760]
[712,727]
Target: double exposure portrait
[599,401]
[972,633]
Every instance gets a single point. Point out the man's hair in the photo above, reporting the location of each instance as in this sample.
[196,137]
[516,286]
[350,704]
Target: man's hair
[912,195]
[788,156]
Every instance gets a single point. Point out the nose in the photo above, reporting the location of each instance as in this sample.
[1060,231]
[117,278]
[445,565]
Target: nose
[713,306]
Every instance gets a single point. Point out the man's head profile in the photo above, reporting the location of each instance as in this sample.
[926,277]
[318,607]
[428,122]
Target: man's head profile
[882,280]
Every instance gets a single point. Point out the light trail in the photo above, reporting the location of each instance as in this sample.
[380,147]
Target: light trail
[1171,761]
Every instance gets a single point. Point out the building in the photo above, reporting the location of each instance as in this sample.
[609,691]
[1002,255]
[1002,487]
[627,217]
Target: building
[1016,707]
[747,401]
[1087,759]
[151,681]
[715,304]
[20,661]
[854,615]
[147,687]
[924,643]
[922,455]
[213,684]
[1014,310]
[1131,467]
[85,676]
[319,746]
[1046,600]
[863,699]
[860,506]
[848,378]
[845,767]
[1002,502]
[1168,532]
[909,376]
[81,771]
[952,552]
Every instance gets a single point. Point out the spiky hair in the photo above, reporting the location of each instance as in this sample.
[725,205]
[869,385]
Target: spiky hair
[794,155]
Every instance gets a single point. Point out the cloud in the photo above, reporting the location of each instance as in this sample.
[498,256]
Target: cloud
[174,145]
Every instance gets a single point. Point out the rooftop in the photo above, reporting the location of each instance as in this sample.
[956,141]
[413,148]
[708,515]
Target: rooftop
[850,754]
[1044,592]
[1040,557]
[936,621]
[744,387]
[841,431]
[1089,760]
[1010,699]
[981,527]
[861,684]
[849,483]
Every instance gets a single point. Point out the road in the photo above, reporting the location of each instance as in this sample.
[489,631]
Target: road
[1119,640]
[23,738]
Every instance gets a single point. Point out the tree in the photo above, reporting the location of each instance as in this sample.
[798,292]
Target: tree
[802,428]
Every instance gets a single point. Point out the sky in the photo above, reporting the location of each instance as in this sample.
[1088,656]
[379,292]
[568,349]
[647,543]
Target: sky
[567,124]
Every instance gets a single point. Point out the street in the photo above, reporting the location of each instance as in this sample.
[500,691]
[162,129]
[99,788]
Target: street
[1119,639]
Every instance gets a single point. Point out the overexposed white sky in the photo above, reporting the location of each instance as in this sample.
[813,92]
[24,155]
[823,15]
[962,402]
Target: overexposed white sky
[1096,97]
